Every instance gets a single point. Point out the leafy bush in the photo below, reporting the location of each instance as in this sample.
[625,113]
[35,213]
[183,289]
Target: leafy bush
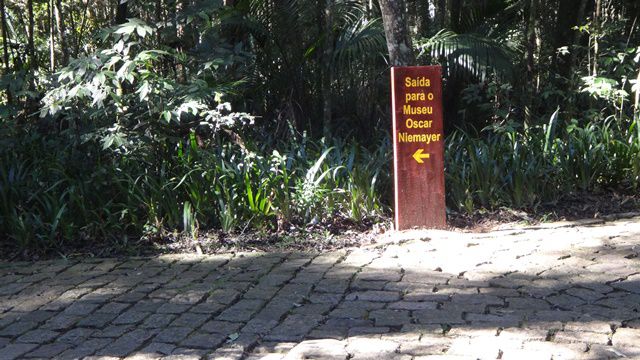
[118,94]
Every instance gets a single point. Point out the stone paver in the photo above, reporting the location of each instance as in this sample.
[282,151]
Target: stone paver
[560,291]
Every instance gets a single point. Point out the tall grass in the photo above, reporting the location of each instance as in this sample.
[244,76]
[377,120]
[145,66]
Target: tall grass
[522,168]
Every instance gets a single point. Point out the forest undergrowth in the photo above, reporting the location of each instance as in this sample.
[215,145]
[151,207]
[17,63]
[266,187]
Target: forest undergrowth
[149,126]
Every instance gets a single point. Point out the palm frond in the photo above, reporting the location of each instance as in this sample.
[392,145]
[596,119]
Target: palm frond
[364,38]
[467,54]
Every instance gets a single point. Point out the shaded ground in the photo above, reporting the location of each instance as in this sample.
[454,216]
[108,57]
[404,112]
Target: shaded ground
[557,291]
[605,205]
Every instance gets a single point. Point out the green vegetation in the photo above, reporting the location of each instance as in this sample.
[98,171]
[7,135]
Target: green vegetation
[62,192]
[523,168]
[129,119]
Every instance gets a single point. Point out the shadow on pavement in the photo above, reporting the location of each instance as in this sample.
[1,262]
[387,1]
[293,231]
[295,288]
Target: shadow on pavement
[549,293]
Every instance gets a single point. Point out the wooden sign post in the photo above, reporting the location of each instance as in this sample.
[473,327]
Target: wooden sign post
[418,147]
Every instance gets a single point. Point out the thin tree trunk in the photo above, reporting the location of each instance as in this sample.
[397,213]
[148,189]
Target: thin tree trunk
[369,14]
[5,46]
[180,45]
[395,29]
[158,15]
[72,43]
[327,60]
[83,22]
[596,23]
[173,14]
[531,38]
[52,43]
[30,43]
[5,35]
[31,53]
[121,18]
[318,71]
[61,30]
[530,57]
[112,9]
[441,13]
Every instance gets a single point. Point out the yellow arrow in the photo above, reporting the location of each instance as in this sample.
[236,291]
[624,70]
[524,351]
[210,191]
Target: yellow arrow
[418,155]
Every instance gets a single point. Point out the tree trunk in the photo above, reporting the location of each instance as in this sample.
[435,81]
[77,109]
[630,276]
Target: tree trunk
[327,60]
[52,42]
[33,63]
[395,29]
[5,42]
[61,29]
[5,46]
[180,43]
[441,11]
[531,39]
[159,19]
[596,25]
[530,58]
[455,8]
[121,12]
[83,22]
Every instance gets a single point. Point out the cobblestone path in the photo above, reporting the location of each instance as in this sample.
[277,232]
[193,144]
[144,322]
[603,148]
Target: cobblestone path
[555,292]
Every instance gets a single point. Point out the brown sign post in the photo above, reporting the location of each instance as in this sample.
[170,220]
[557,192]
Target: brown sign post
[418,147]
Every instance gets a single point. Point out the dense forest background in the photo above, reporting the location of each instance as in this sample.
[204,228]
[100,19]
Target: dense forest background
[127,119]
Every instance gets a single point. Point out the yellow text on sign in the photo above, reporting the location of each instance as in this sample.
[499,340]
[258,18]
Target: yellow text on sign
[417,110]
[418,124]
[418,97]
[404,137]
[419,81]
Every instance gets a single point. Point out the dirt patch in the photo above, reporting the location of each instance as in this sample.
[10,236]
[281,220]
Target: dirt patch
[320,237]
[572,207]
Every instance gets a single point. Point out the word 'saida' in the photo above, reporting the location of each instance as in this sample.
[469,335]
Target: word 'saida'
[418,156]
